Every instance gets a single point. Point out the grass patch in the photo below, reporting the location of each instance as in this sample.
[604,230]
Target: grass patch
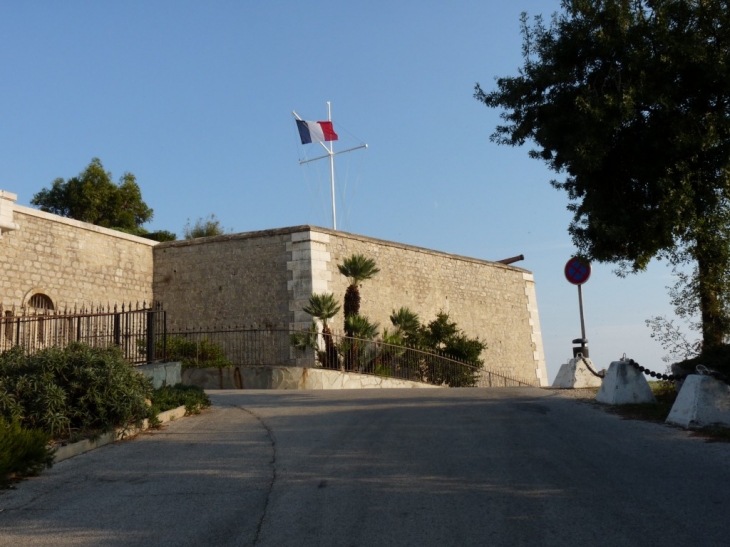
[665,394]
[648,412]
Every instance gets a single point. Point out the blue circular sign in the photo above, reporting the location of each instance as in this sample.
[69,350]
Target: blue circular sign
[577,270]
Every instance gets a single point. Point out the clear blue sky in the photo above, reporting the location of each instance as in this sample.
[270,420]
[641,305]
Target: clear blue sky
[195,99]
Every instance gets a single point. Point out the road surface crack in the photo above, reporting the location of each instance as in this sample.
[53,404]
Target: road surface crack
[272,440]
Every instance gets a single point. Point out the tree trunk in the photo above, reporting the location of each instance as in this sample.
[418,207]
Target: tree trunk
[352,304]
[710,277]
[331,360]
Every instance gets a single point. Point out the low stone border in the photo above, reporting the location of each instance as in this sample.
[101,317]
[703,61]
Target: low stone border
[74,449]
[283,377]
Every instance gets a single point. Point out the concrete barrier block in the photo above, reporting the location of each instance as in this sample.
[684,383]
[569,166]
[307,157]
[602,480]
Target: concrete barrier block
[702,401]
[624,385]
[575,374]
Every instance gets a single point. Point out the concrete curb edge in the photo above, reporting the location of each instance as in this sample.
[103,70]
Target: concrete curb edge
[75,449]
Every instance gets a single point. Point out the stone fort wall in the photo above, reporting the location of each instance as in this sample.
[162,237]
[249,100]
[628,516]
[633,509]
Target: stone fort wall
[72,262]
[263,279]
[490,300]
[239,280]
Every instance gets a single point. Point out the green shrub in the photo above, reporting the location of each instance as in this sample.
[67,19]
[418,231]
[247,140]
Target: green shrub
[195,353]
[74,390]
[22,451]
[169,397]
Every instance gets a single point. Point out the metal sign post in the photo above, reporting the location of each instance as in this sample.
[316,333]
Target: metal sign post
[577,272]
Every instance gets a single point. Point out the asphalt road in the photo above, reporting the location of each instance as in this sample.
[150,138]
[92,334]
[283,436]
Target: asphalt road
[461,467]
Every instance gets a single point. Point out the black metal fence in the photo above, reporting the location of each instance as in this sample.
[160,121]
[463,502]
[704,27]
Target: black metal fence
[248,347]
[134,331]
[232,346]
[143,337]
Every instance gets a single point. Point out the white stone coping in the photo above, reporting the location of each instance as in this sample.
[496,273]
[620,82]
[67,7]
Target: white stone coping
[74,449]
[315,233]
[82,225]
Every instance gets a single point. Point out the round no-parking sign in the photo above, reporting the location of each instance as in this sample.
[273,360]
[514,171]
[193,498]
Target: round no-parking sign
[577,270]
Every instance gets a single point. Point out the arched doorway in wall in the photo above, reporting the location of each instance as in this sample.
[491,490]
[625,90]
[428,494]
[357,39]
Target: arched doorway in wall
[40,302]
[37,302]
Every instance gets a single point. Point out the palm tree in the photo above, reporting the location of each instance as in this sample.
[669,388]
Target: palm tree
[359,328]
[357,269]
[324,307]
[407,324]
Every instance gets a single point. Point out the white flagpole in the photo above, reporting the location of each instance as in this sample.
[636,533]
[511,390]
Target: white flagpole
[331,154]
[332,169]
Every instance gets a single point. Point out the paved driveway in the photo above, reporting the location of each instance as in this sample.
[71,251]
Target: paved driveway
[385,467]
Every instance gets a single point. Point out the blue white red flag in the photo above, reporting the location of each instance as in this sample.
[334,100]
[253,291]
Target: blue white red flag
[316,131]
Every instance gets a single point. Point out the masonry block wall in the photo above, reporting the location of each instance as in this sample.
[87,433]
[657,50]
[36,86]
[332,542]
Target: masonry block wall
[72,262]
[263,279]
[239,279]
[495,302]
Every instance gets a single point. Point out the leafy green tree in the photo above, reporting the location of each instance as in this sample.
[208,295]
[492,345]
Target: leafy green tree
[356,269]
[204,227]
[629,100]
[93,197]
[444,335]
[324,307]
[160,235]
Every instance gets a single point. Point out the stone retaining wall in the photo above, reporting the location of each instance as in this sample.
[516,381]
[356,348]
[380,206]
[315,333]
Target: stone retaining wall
[241,377]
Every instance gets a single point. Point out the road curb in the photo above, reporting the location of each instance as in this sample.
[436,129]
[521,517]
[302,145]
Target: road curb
[74,449]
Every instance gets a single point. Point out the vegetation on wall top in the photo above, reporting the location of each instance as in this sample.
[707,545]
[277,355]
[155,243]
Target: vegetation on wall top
[93,197]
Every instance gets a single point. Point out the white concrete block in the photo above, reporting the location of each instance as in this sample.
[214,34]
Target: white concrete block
[575,374]
[623,385]
[319,236]
[322,274]
[702,401]
[317,246]
[318,264]
[301,236]
[320,286]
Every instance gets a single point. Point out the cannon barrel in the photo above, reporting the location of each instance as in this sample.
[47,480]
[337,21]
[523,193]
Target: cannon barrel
[512,259]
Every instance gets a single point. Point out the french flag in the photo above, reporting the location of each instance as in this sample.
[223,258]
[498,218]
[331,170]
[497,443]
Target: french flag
[316,131]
